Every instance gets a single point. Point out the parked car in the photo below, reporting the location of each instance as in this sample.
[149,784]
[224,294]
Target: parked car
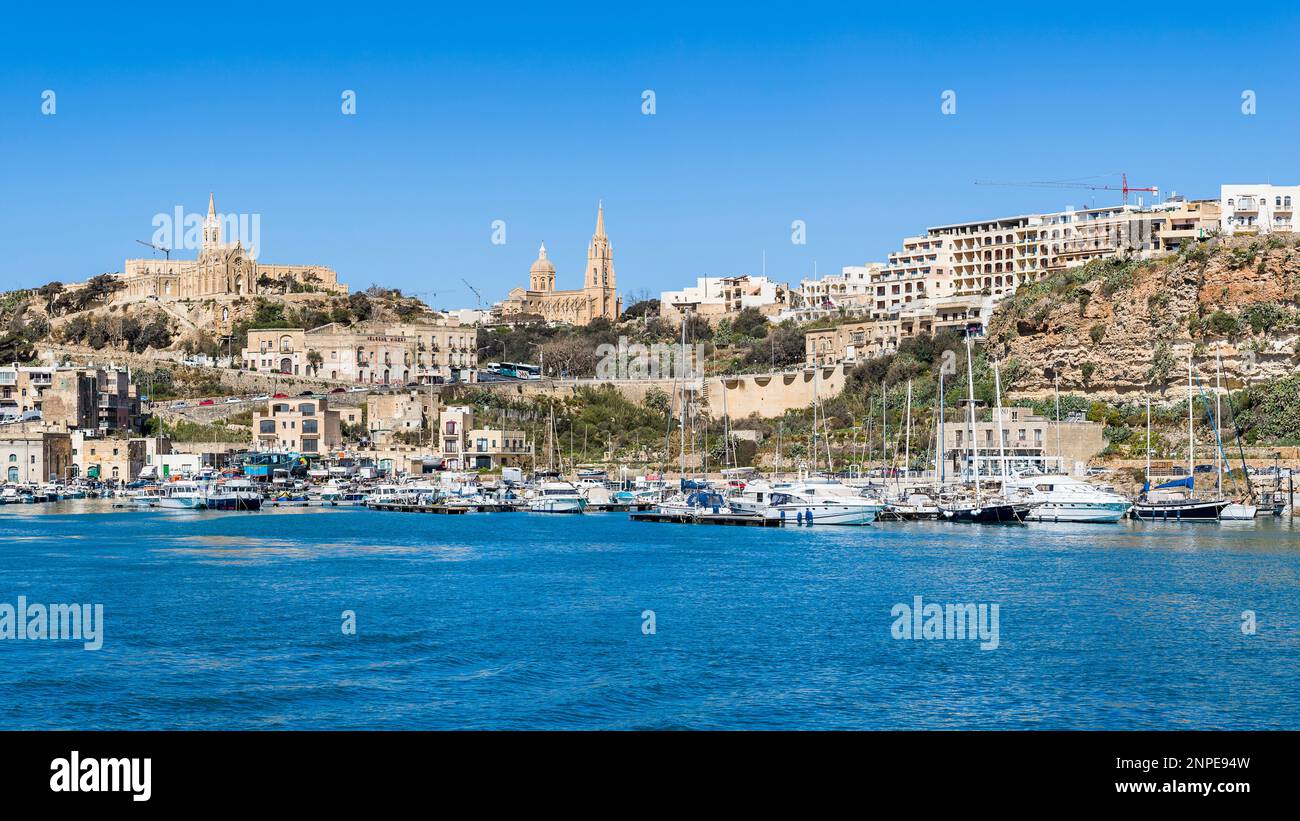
[281,396]
[261,397]
[338,390]
[179,405]
[208,402]
[358,389]
[233,399]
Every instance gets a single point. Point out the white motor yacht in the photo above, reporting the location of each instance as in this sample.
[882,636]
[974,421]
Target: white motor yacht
[557,497]
[1058,498]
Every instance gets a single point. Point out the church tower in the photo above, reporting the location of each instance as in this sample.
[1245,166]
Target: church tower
[211,228]
[541,277]
[600,256]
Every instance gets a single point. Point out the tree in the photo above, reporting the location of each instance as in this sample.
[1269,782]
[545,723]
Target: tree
[315,360]
[49,292]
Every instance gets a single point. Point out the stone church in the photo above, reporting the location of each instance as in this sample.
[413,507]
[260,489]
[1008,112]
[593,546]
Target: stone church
[222,269]
[598,296]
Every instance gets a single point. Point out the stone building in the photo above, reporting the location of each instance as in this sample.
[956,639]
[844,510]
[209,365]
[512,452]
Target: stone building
[598,296]
[302,425]
[369,352]
[35,457]
[221,270]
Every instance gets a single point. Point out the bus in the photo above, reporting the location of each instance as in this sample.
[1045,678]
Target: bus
[519,370]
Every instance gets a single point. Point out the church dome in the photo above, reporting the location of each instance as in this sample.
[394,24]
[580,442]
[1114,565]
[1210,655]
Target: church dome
[542,265]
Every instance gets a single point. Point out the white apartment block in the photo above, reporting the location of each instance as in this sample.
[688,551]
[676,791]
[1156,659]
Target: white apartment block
[953,276]
[716,298]
[1258,209]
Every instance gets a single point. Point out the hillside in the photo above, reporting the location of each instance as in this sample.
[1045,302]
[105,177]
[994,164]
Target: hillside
[1114,329]
[95,315]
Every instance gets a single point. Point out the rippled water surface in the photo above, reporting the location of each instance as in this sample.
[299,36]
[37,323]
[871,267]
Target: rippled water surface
[233,620]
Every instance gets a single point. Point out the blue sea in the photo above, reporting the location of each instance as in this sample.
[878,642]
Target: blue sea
[514,621]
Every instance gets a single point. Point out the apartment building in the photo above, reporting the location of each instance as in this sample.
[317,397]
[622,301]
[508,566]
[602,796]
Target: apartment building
[954,275]
[303,425]
[70,398]
[717,298]
[373,352]
[465,443]
[1258,209]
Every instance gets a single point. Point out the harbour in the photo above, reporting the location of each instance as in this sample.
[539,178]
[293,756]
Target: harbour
[231,620]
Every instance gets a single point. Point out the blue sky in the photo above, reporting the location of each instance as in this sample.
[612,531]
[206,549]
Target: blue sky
[531,114]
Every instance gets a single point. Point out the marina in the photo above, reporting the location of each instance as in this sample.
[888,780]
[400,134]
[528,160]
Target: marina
[230,620]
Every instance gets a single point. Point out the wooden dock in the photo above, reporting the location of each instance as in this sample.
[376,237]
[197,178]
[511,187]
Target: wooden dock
[730,519]
[409,508]
[620,507]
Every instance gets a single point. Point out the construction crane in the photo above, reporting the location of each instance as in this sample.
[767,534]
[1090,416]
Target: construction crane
[166,251]
[1122,187]
[478,298]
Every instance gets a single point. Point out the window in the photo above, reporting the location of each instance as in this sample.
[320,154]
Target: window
[309,426]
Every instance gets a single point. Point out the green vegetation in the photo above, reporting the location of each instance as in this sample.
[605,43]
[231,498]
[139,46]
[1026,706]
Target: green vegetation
[152,330]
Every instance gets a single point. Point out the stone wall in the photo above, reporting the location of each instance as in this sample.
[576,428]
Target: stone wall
[768,395]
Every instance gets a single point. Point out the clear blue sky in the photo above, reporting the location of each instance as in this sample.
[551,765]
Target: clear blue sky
[532,113]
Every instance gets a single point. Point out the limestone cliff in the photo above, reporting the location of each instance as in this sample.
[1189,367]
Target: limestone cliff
[1117,328]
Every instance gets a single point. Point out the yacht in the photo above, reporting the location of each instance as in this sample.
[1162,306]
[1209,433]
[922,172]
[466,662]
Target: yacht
[915,506]
[233,494]
[183,496]
[1238,511]
[557,497]
[807,501]
[147,497]
[1058,498]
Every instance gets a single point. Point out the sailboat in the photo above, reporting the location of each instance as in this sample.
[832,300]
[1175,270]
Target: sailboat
[977,508]
[1175,500]
[1235,511]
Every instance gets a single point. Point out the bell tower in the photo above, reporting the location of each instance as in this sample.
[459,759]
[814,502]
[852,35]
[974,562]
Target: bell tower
[600,256]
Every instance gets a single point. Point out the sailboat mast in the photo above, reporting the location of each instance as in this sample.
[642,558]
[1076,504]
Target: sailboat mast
[1148,440]
[970,416]
[997,398]
[1056,390]
[940,457]
[907,436]
[683,400]
[1191,431]
[1218,421]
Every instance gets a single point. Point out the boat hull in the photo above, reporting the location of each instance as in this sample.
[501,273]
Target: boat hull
[1086,512]
[987,514]
[1178,511]
[556,506]
[234,503]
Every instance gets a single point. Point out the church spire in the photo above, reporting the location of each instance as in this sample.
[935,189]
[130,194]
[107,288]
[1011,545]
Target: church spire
[600,218]
[211,228]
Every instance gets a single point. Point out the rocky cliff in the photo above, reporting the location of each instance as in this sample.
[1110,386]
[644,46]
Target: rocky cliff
[1118,328]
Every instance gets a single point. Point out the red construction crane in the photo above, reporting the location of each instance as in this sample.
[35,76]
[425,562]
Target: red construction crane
[1124,186]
